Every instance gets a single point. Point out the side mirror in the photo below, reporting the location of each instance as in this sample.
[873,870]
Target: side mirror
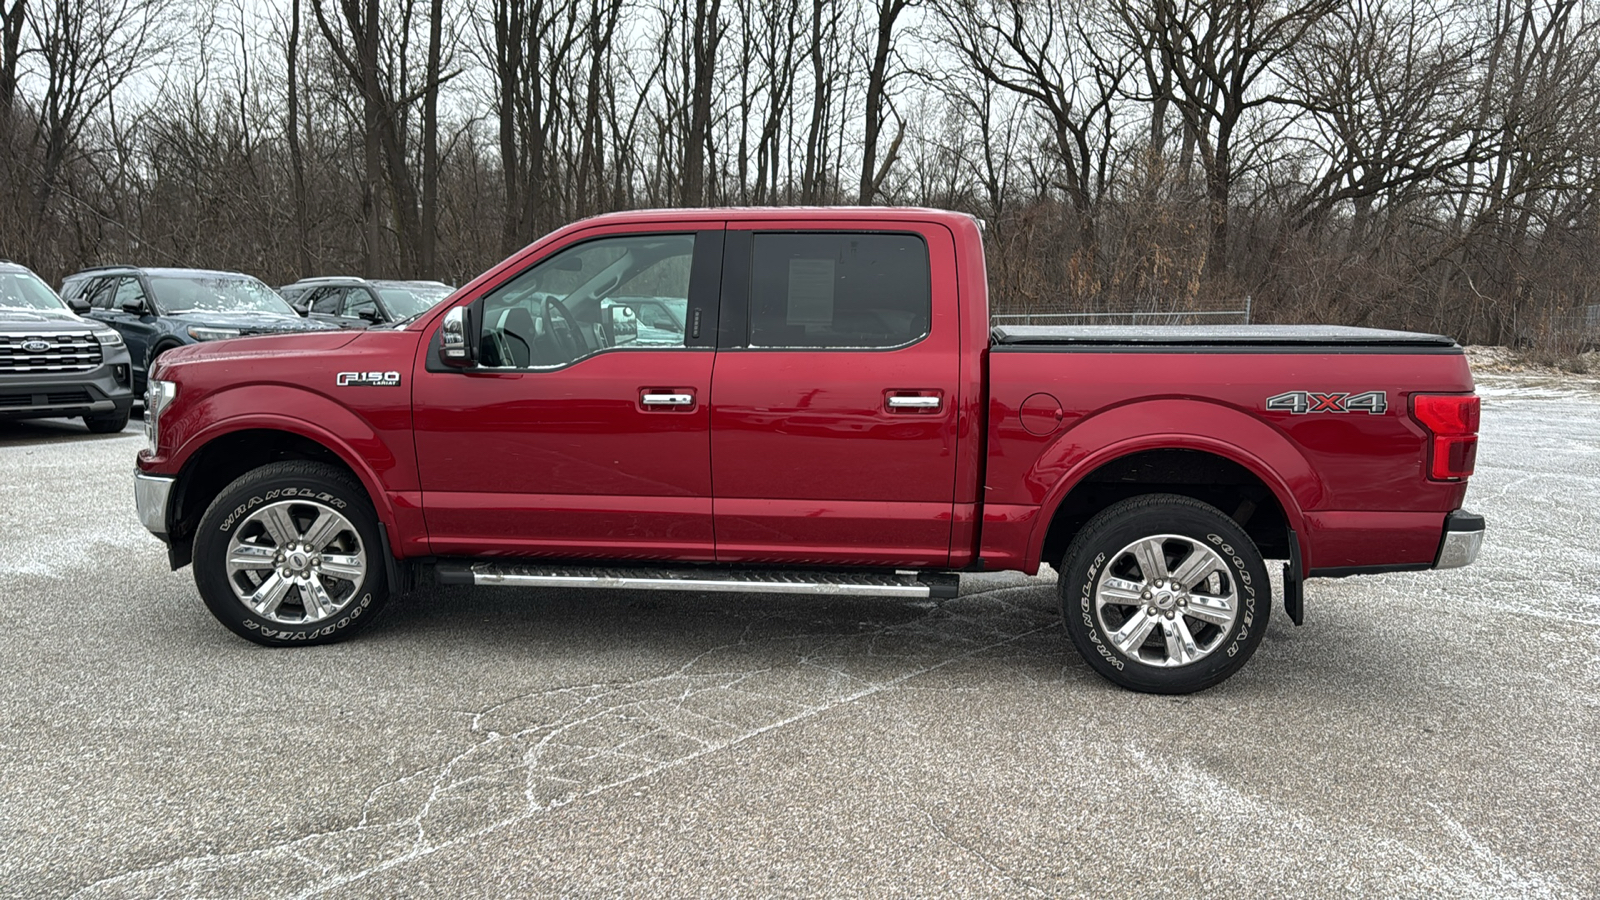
[301,308]
[624,325]
[454,347]
[78,305]
[368,315]
[135,307]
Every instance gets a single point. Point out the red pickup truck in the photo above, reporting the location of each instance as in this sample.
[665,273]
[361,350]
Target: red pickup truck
[805,400]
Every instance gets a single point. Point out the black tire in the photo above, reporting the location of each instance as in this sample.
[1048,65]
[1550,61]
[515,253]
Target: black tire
[107,423]
[241,520]
[1141,632]
[150,364]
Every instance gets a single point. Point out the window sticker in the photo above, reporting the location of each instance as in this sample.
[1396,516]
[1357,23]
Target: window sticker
[810,292]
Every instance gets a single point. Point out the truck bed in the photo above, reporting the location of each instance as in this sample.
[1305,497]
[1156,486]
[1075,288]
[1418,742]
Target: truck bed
[1188,338]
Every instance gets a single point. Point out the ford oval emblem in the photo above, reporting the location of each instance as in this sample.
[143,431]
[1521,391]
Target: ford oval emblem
[34,345]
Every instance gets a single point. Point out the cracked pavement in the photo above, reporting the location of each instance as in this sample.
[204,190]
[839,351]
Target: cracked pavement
[1424,734]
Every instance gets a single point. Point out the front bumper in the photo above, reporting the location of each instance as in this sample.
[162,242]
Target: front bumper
[151,494]
[1463,538]
[40,395]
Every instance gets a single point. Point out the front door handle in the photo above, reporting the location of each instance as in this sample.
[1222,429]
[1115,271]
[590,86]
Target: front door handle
[914,402]
[667,399]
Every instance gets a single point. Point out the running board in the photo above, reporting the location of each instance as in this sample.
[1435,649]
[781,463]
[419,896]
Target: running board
[937,585]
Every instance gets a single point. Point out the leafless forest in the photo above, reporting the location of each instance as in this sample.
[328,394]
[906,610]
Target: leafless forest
[1431,164]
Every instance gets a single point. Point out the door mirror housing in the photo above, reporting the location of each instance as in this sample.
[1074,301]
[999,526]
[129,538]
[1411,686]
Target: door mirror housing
[78,305]
[133,307]
[455,344]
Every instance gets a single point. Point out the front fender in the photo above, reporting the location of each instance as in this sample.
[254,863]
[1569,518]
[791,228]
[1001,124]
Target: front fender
[315,417]
[1171,424]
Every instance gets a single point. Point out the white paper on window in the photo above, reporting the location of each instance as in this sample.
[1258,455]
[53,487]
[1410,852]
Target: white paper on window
[810,292]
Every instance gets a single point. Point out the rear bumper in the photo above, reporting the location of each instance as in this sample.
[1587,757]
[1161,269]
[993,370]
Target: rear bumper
[1463,538]
[151,493]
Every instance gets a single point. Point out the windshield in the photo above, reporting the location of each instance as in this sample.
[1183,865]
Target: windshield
[408,300]
[24,290]
[217,293]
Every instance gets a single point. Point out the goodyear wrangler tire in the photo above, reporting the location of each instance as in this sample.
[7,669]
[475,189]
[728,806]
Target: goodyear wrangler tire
[1164,594]
[289,554]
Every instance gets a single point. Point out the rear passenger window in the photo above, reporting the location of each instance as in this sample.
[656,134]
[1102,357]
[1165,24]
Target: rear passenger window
[811,290]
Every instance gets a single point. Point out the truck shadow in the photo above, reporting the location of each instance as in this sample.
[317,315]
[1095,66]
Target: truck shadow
[868,640]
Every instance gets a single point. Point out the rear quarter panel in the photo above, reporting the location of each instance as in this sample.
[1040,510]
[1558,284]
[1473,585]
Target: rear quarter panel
[1353,485]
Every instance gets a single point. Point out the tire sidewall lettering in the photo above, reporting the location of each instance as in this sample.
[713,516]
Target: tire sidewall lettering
[280,494]
[1086,608]
[352,613]
[1247,610]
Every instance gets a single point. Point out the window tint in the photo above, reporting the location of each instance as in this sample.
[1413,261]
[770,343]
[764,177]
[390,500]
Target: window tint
[327,301]
[99,292]
[839,290]
[128,289]
[359,302]
[588,298]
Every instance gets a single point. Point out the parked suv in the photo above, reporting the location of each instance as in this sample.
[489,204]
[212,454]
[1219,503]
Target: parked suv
[55,364]
[359,303]
[158,309]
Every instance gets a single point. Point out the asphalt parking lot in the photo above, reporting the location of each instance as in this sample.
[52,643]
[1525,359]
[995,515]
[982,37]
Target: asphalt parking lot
[1422,735]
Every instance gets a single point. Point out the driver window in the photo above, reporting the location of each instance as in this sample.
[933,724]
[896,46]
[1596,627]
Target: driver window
[128,291]
[618,293]
[360,305]
[326,301]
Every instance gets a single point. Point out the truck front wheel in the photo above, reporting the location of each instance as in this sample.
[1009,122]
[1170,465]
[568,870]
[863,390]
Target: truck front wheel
[289,554]
[1164,594]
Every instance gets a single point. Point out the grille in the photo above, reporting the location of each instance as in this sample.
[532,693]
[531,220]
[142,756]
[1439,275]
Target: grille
[69,352]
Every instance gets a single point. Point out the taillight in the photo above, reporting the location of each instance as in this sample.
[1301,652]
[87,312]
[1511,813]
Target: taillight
[1452,419]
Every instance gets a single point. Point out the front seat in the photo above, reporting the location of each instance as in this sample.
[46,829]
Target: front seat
[517,325]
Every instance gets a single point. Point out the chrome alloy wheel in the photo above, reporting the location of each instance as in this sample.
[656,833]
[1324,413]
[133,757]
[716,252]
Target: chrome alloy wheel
[1167,600]
[295,562]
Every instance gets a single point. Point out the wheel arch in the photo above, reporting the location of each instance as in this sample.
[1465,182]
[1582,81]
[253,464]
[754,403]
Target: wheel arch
[228,450]
[1263,488]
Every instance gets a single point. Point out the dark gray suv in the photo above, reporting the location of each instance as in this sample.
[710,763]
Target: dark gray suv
[158,309]
[350,302]
[55,364]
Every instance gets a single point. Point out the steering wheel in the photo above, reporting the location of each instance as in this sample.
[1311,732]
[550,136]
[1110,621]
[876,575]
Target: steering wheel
[566,336]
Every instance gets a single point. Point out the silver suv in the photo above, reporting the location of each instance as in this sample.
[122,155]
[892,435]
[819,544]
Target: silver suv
[54,364]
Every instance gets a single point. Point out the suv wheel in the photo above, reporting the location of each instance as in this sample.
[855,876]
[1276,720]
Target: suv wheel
[1164,594]
[289,554]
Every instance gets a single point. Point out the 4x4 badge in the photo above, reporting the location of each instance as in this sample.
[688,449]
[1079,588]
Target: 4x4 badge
[1302,402]
[367,379]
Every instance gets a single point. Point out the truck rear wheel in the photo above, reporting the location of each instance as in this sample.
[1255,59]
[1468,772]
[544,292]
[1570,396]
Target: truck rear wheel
[289,554]
[1164,594]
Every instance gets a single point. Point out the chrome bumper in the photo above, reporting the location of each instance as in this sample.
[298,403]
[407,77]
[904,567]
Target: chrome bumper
[150,493]
[1463,537]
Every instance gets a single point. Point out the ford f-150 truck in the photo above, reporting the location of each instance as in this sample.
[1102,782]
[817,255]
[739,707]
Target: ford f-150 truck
[830,414]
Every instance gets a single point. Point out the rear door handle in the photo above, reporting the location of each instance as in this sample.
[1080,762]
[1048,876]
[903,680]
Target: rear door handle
[915,402]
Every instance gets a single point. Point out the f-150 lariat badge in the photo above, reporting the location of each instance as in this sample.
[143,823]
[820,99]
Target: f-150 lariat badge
[1302,402]
[368,379]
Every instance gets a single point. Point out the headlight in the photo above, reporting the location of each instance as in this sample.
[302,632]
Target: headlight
[157,397]
[108,336]
[212,334]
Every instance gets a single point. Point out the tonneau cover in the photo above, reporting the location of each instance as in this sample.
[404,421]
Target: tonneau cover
[1299,337]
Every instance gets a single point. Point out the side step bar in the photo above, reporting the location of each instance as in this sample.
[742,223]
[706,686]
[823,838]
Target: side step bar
[937,585]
